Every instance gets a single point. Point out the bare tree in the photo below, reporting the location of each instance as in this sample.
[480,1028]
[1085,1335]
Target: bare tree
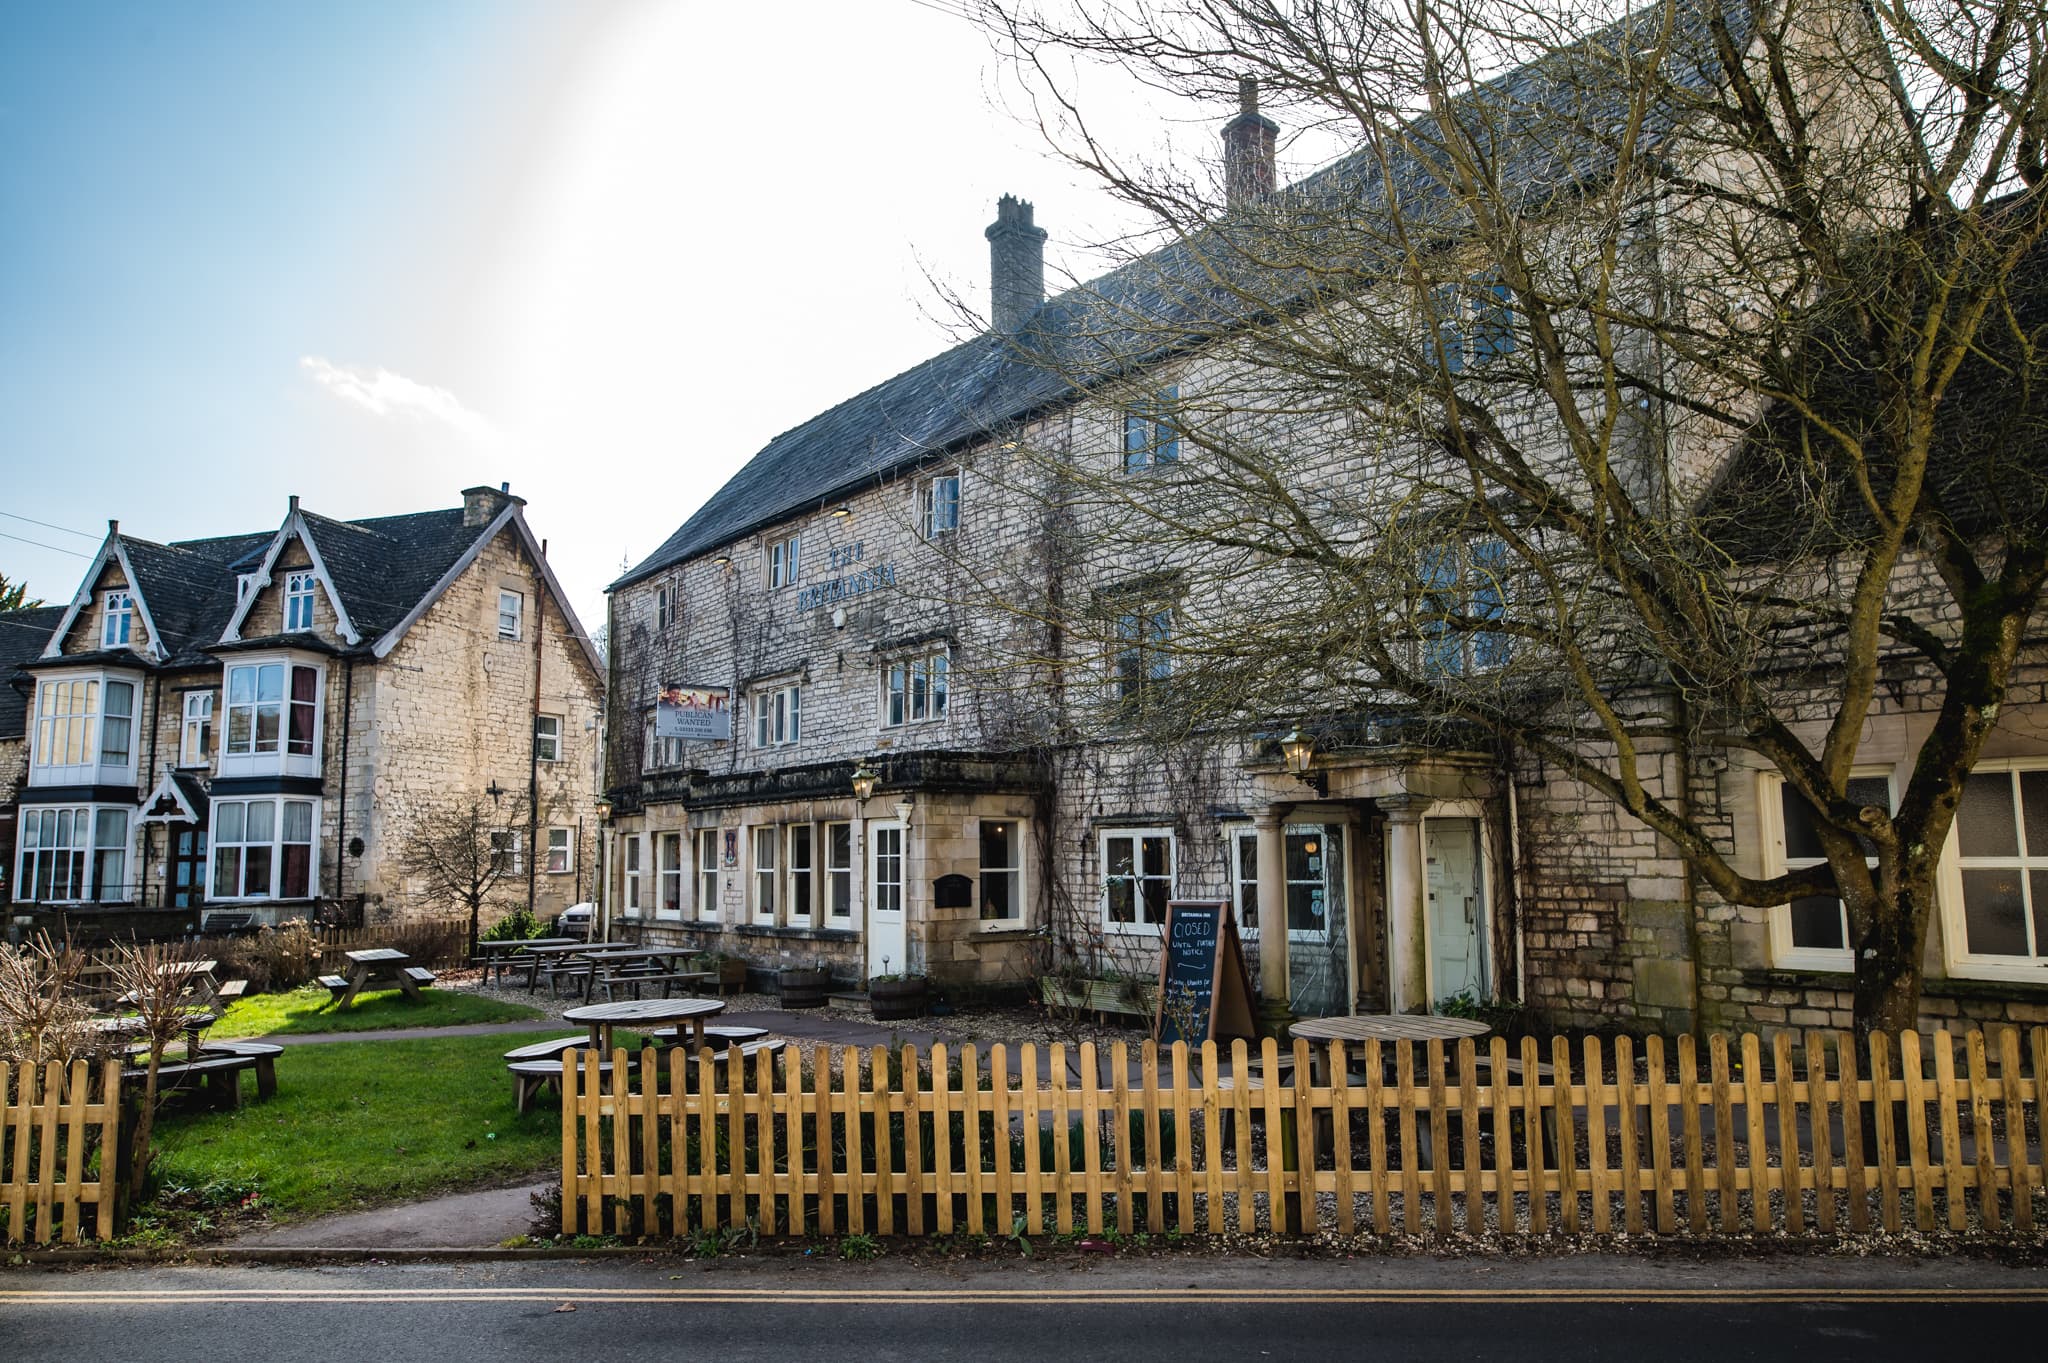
[1635,385]
[464,851]
[158,994]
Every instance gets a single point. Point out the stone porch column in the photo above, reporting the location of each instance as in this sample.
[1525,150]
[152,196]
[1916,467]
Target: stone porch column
[1407,902]
[1274,985]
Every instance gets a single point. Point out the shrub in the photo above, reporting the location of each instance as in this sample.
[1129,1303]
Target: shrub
[515,926]
[273,959]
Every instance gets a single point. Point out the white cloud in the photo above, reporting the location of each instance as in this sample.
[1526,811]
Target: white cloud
[393,395]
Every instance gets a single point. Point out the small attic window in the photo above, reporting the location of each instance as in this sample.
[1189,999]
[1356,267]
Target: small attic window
[244,585]
[117,621]
[298,602]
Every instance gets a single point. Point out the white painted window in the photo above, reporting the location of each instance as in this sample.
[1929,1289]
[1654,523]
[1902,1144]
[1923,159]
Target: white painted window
[195,739]
[84,731]
[1810,933]
[784,559]
[800,872]
[511,614]
[117,619]
[1002,871]
[73,854]
[1244,880]
[664,607]
[634,875]
[1995,874]
[938,504]
[506,849]
[671,846]
[1152,431]
[888,886]
[839,873]
[1308,861]
[298,602]
[1464,583]
[1137,877]
[274,719]
[1475,322]
[707,874]
[765,841]
[1144,632]
[561,852]
[263,849]
[778,716]
[914,690]
[547,738]
[661,753]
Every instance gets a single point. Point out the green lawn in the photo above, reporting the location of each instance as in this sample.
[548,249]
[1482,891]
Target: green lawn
[357,1123]
[312,1010]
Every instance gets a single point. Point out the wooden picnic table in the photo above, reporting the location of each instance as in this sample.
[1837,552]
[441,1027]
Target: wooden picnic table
[192,1024]
[498,956]
[377,965]
[642,1014]
[616,966]
[196,975]
[1405,1028]
[537,956]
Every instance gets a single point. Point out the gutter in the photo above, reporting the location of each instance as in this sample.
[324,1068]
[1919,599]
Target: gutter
[348,708]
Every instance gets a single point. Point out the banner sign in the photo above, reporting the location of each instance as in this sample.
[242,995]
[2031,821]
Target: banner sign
[695,712]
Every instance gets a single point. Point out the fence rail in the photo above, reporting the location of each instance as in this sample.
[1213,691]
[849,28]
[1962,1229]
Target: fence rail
[59,1136]
[1809,1135]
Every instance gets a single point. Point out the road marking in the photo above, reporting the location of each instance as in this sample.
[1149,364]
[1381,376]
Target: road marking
[973,1296]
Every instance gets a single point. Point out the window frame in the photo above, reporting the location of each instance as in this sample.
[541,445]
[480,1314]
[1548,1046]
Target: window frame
[912,681]
[1785,955]
[664,607]
[783,560]
[547,747]
[298,598]
[658,753]
[800,881]
[1957,958]
[508,842]
[668,874]
[704,846]
[1474,321]
[282,760]
[82,732]
[930,526]
[832,871]
[1142,661]
[1151,430]
[511,622]
[763,898]
[276,845]
[777,715]
[631,873]
[117,604]
[1138,835]
[1332,866]
[1017,871]
[1463,575]
[84,852]
[1236,838]
[186,722]
[561,839]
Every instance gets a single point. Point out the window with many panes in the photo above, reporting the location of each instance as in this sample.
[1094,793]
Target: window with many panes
[778,716]
[1463,588]
[1474,321]
[1152,431]
[506,846]
[938,505]
[1995,895]
[511,614]
[84,732]
[784,558]
[1144,633]
[117,619]
[547,738]
[707,874]
[72,855]
[1002,871]
[914,690]
[671,848]
[273,714]
[633,875]
[839,872]
[560,852]
[262,849]
[298,602]
[800,875]
[1811,933]
[1309,856]
[195,738]
[1137,877]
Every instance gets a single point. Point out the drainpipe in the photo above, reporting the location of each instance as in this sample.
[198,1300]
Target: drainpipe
[348,708]
[533,850]
[156,724]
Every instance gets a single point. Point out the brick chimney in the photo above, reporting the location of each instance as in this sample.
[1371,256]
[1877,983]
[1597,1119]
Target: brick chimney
[1016,263]
[481,505]
[1248,149]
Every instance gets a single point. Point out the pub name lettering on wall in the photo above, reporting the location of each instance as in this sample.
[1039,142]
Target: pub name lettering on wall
[858,582]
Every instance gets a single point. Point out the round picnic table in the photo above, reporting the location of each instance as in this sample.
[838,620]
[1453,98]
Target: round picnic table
[640,1014]
[1363,1027]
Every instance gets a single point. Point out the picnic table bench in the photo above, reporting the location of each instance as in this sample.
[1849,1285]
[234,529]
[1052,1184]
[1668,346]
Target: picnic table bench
[377,965]
[496,958]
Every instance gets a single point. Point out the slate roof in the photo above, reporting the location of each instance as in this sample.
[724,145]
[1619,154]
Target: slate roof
[1172,298]
[23,634]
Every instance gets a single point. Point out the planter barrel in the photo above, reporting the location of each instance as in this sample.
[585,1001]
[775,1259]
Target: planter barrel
[893,1000]
[803,987]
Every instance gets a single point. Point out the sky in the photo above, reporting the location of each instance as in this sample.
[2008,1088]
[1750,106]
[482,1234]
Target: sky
[371,254]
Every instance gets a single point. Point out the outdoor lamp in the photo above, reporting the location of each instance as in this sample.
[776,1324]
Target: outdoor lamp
[604,809]
[841,512]
[864,779]
[1300,751]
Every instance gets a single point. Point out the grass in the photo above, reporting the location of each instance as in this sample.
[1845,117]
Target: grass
[311,1010]
[367,1123]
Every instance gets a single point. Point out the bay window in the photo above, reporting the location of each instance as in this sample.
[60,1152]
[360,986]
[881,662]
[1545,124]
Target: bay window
[73,854]
[263,849]
[84,732]
[273,719]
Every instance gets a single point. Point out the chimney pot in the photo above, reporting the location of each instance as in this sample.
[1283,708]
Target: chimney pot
[1016,257]
[481,505]
[1248,143]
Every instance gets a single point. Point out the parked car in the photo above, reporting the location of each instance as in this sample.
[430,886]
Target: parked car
[575,920]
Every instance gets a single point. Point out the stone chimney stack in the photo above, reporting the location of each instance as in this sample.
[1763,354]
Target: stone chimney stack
[1248,149]
[481,505]
[1016,264]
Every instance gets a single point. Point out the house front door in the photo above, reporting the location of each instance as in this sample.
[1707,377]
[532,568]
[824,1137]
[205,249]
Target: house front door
[887,935]
[187,872]
[1456,882]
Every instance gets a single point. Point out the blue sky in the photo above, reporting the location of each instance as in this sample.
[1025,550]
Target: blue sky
[372,254]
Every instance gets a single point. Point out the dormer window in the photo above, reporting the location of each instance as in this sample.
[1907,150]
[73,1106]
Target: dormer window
[117,621]
[245,583]
[298,602]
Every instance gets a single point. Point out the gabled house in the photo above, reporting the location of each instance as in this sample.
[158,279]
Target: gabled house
[250,722]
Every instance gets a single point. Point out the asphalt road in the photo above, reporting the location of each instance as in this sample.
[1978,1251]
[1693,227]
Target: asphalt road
[1576,1309]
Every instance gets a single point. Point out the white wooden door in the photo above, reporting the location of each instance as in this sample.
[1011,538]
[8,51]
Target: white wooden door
[1456,880]
[887,938]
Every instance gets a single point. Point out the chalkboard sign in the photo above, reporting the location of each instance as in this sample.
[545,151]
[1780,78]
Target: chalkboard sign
[1205,991]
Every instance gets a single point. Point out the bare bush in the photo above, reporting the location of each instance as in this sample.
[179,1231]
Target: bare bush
[274,959]
[42,1016]
[159,995]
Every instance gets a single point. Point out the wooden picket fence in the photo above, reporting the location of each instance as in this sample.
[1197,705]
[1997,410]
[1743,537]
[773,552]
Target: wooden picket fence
[1813,1135]
[59,1138]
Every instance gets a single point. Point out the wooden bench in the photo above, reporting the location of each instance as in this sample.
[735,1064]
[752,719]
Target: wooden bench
[726,1035]
[261,1054]
[225,924]
[221,1074]
[613,981]
[230,991]
[546,1050]
[419,975]
[556,973]
[529,1077]
[337,985]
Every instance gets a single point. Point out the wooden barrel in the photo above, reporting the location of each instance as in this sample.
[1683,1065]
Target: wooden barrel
[803,986]
[892,1000]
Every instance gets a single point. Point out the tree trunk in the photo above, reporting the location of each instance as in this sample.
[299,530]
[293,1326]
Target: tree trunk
[145,1122]
[1888,956]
